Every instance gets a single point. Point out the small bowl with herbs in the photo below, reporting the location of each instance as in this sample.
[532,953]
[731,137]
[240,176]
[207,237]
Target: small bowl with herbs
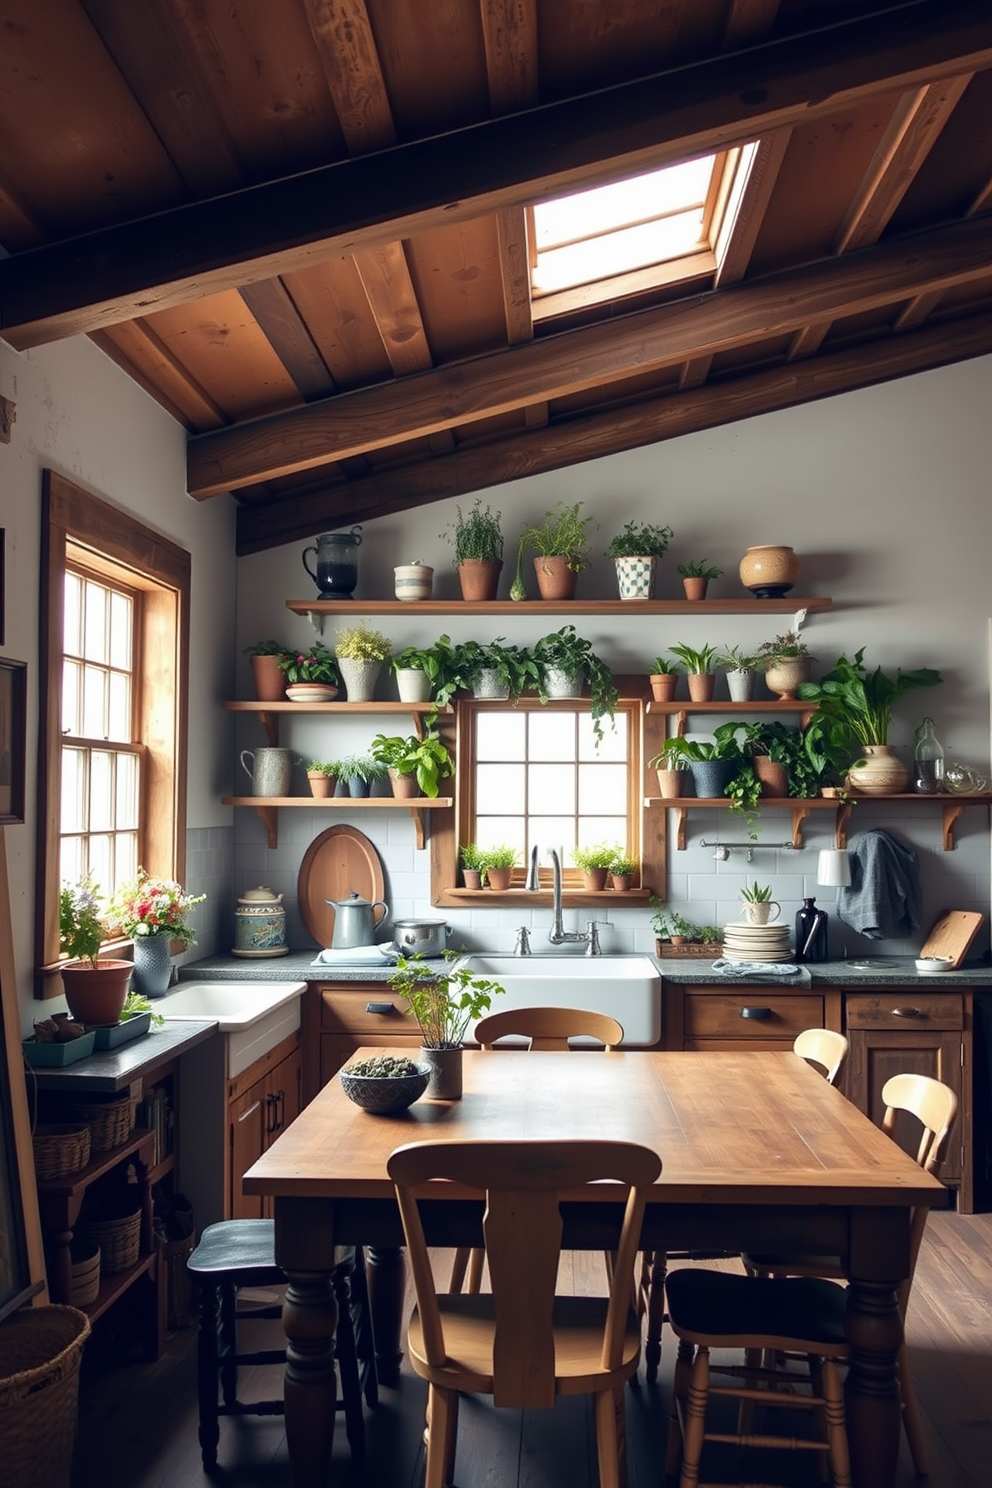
[385,1083]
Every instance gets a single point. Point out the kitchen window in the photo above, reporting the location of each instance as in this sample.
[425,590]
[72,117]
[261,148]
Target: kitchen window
[114,661]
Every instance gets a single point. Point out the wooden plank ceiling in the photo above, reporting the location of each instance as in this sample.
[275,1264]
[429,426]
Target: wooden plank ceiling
[301,225]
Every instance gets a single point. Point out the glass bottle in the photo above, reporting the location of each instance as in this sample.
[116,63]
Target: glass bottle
[928,774]
[811,933]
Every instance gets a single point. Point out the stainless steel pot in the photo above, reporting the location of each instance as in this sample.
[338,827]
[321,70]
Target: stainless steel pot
[421,937]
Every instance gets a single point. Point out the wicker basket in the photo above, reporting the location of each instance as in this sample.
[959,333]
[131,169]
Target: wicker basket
[118,1236]
[178,1281]
[84,1284]
[60,1149]
[40,1352]
[110,1121]
[712,950]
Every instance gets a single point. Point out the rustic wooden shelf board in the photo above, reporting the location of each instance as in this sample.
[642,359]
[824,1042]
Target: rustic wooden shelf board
[268,807]
[735,606]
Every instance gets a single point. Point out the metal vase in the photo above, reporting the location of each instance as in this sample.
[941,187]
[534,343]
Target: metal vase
[152,965]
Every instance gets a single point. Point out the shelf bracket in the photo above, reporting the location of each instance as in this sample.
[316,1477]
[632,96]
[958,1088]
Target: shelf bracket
[270,818]
[680,816]
[799,815]
[840,828]
[420,825]
[952,811]
[270,723]
[799,620]
[316,619]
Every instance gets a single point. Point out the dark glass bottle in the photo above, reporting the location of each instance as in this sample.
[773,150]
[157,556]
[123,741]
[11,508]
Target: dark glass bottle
[811,933]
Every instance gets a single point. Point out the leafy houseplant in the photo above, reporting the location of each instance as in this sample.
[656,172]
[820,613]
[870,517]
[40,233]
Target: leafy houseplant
[444,1005]
[787,662]
[423,761]
[492,670]
[473,867]
[595,862]
[696,574]
[95,987]
[478,541]
[323,776]
[741,668]
[635,552]
[315,665]
[562,651]
[561,543]
[698,663]
[622,871]
[361,651]
[497,864]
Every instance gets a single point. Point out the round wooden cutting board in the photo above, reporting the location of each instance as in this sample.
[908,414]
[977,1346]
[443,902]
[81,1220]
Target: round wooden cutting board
[339,862]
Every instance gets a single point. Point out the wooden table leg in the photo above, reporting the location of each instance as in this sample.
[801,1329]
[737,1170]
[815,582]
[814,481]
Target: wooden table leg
[386,1274]
[874,1331]
[310,1317]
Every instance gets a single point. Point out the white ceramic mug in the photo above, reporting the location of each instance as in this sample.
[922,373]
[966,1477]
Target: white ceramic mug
[761,914]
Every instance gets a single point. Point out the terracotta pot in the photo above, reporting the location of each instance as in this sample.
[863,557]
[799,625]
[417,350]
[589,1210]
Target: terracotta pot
[770,571]
[621,881]
[472,878]
[695,587]
[702,685]
[784,674]
[879,773]
[774,777]
[663,686]
[404,786]
[594,879]
[555,580]
[270,679]
[321,784]
[95,994]
[498,879]
[479,578]
[671,783]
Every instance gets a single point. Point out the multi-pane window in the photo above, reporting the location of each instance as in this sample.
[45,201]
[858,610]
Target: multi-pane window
[101,757]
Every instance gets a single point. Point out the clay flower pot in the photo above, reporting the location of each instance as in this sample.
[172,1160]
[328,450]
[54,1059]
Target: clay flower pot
[594,879]
[774,777]
[671,783]
[472,878]
[498,879]
[270,679]
[702,685]
[663,686]
[479,578]
[695,587]
[96,994]
[621,881]
[404,786]
[555,580]
[320,784]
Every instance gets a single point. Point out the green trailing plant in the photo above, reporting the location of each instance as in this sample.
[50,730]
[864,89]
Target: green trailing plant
[596,855]
[662,667]
[268,648]
[562,533]
[744,792]
[476,535]
[500,855]
[361,643]
[427,758]
[646,541]
[699,568]
[755,893]
[696,661]
[514,666]
[444,1003]
[315,665]
[570,653]
[854,706]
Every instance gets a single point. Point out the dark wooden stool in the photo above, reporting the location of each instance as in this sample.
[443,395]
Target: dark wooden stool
[238,1253]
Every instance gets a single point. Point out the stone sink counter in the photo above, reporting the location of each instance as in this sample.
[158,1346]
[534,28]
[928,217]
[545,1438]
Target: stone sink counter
[885,971]
[297,966]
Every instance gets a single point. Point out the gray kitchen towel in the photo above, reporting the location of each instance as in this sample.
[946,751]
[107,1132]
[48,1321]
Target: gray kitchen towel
[884,897]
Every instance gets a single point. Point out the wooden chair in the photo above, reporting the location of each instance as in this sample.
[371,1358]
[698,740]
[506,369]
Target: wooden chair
[547,1028]
[934,1105]
[822,1047]
[520,1343]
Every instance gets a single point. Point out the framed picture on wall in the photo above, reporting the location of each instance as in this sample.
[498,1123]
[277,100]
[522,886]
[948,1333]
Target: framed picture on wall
[13,735]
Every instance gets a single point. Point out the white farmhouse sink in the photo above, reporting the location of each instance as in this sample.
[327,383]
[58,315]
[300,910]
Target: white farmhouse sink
[255,1016]
[626,987]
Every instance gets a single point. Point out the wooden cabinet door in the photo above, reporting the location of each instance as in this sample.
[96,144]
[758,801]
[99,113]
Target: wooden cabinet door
[877,1054]
[282,1096]
[247,1117]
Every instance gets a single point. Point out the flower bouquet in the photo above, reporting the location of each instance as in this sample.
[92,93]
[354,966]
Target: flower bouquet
[153,906]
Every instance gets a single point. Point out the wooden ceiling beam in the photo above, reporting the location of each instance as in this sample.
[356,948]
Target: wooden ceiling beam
[922,306]
[462,393]
[121,272]
[595,435]
[342,32]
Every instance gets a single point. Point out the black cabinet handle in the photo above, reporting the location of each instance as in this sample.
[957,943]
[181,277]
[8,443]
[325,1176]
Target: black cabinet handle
[380,1007]
[756,1012]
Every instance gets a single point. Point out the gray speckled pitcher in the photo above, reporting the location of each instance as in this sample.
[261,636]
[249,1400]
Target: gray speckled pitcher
[271,770]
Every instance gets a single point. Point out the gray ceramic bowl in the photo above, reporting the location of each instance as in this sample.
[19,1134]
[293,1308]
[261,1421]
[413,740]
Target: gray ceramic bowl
[383,1095]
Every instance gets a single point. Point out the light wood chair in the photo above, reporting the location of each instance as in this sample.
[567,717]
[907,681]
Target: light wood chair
[548,1029]
[934,1105]
[520,1343]
[820,1046]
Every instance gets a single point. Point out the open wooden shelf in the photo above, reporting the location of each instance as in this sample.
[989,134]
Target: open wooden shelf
[269,713]
[952,808]
[267,808]
[742,604]
[542,898]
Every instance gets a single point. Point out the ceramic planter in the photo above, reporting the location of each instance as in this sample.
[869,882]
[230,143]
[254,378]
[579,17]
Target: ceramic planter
[621,882]
[695,587]
[321,784]
[490,686]
[445,1065]
[774,777]
[270,679]
[413,685]
[498,879]
[702,686]
[879,773]
[594,879]
[761,914]
[635,576]
[663,686]
[472,878]
[555,580]
[671,783]
[783,674]
[359,677]
[96,994]
[404,786]
[740,684]
[152,965]
[710,778]
[413,581]
[479,578]
[770,571]
[561,684]
[357,787]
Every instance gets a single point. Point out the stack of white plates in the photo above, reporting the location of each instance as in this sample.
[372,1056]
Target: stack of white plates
[756,943]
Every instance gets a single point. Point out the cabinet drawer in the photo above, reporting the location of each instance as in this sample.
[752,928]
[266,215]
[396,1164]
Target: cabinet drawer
[759,1013]
[905,1009]
[369,1010]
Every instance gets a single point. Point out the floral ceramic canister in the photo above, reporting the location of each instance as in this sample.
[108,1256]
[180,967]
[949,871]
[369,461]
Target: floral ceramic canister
[260,924]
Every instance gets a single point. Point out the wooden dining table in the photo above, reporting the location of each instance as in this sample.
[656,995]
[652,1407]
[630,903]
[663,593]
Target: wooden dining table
[758,1153]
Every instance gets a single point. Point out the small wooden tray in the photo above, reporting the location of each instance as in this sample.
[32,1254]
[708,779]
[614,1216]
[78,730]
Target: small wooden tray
[952,934]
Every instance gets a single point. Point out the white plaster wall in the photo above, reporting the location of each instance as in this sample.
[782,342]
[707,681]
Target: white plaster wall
[77,413]
[883,493]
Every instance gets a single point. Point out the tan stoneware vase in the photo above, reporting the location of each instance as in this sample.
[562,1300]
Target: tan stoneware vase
[479,578]
[96,994]
[879,773]
[784,674]
[555,580]
[769,571]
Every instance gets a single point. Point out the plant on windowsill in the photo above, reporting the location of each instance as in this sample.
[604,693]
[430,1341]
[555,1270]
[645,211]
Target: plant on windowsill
[594,863]
[561,544]
[413,764]
[566,660]
[696,575]
[635,552]
[698,663]
[623,871]
[478,542]
[444,1004]
[473,867]
[498,862]
[95,987]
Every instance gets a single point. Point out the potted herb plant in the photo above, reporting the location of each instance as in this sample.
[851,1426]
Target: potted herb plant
[561,546]
[270,679]
[444,1004]
[473,868]
[636,551]
[413,764]
[595,862]
[310,676]
[664,679]
[787,662]
[853,717]
[741,669]
[95,986]
[323,776]
[497,862]
[698,665]
[361,651]
[566,661]
[478,542]
[696,575]
[623,871]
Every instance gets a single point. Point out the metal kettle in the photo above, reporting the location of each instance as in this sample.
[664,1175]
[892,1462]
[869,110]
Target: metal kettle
[354,921]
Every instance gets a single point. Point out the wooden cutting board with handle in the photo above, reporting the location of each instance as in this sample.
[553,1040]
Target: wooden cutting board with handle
[339,862]
[952,934]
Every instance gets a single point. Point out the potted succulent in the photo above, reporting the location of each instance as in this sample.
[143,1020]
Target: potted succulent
[95,987]
[595,862]
[270,679]
[323,776]
[699,665]
[566,662]
[562,549]
[473,868]
[741,669]
[623,870]
[787,662]
[696,574]
[497,862]
[153,912]
[478,542]
[413,764]
[853,716]
[636,551]
[361,651]
[310,676]
[758,904]
[664,679]
[444,1004]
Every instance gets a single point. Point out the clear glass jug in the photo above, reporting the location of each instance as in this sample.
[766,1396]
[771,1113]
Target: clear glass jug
[336,575]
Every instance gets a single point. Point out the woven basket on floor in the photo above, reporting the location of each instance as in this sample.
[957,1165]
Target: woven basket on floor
[60,1149]
[109,1121]
[40,1351]
[118,1236]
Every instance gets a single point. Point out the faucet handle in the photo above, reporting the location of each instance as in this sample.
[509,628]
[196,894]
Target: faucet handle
[522,945]
[592,938]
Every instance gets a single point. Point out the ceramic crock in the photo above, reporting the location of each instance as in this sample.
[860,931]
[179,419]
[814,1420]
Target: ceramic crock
[260,924]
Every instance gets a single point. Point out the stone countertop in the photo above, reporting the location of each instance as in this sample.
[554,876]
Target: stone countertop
[297,966]
[111,1070]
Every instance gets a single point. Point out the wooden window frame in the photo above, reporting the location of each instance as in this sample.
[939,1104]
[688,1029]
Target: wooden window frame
[82,529]
[646,836]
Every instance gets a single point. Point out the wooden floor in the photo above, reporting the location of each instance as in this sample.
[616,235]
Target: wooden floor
[138,1421]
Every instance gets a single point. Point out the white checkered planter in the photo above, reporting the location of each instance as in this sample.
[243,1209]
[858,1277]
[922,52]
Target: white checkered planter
[635,577]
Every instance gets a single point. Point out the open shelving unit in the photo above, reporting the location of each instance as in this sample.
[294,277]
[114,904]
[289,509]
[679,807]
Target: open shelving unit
[317,609]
